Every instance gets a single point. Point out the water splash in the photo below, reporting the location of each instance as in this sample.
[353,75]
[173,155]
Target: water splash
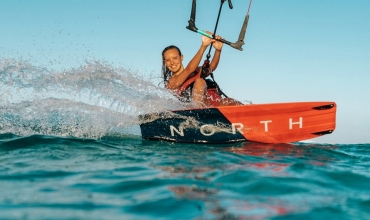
[91,101]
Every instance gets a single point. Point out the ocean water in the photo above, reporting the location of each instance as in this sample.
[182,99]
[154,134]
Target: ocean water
[70,148]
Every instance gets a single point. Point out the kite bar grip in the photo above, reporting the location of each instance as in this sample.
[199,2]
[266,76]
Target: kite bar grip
[191,26]
[236,45]
[244,28]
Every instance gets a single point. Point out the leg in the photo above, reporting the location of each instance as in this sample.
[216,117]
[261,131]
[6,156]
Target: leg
[199,93]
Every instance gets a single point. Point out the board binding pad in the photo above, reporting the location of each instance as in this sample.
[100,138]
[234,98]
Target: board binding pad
[265,123]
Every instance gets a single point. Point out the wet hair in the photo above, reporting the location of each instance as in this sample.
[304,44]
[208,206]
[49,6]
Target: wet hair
[166,73]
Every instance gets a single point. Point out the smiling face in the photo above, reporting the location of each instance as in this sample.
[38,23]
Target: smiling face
[173,61]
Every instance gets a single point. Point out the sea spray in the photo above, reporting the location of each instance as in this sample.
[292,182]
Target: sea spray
[91,101]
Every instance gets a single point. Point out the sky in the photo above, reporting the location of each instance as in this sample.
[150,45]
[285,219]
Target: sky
[295,50]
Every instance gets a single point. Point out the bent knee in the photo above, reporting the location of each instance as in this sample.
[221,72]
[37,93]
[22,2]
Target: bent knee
[200,83]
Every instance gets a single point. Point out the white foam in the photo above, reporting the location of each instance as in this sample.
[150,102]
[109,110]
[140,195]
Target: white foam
[93,100]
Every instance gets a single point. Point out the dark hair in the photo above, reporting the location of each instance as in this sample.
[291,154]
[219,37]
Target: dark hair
[166,73]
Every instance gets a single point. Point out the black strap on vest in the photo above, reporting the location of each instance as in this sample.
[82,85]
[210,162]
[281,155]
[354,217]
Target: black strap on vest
[206,70]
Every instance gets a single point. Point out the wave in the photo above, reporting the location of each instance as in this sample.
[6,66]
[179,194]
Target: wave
[94,100]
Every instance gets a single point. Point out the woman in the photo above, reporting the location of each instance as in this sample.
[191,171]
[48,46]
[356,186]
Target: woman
[175,75]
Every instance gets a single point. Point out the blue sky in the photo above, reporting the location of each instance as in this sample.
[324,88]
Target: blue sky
[295,51]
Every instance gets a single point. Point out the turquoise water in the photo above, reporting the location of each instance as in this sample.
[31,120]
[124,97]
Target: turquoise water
[70,148]
[46,177]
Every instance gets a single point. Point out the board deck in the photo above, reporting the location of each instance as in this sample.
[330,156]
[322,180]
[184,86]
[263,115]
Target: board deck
[266,123]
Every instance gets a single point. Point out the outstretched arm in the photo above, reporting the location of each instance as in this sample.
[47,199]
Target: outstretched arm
[177,80]
[216,57]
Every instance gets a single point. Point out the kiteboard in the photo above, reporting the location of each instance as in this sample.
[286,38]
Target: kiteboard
[266,123]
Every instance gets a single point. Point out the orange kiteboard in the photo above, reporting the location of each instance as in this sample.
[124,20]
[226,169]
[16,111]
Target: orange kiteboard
[267,123]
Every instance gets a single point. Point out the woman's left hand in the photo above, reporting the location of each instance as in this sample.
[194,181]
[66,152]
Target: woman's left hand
[218,44]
